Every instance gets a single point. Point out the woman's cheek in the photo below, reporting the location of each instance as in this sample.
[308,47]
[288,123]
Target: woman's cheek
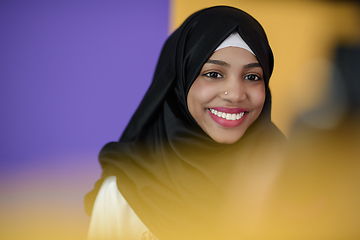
[207,91]
[258,95]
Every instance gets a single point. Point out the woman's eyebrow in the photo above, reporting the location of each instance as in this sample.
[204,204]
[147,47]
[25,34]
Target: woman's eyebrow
[252,65]
[218,62]
[222,63]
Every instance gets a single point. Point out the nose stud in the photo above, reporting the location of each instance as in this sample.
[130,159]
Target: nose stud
[228,96]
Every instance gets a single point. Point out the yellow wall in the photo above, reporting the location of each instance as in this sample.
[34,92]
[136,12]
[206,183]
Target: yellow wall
[302,35]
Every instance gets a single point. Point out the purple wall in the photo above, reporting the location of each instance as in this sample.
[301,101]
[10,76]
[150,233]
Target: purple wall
[71,75]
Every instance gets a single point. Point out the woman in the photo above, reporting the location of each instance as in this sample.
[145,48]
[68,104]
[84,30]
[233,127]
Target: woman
[205,117]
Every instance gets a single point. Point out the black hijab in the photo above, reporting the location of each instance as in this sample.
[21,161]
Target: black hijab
[171,173]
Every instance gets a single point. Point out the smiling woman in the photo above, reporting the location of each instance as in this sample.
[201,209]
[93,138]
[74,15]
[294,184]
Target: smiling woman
[203,127]
[229,93]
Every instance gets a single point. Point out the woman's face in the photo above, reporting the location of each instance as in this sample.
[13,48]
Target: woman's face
[228,95]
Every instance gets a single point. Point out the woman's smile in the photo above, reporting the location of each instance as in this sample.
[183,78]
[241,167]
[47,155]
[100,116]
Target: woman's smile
[227,117]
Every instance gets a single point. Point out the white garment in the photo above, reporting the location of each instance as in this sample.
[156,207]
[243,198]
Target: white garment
[113,218]
[234,40]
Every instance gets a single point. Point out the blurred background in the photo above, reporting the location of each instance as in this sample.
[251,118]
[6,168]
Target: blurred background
[73,73]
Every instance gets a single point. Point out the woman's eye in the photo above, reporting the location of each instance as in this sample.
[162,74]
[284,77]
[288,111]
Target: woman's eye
[212,75]
[252,77]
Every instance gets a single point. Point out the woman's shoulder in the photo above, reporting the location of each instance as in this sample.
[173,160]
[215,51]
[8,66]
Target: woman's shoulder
[113,218]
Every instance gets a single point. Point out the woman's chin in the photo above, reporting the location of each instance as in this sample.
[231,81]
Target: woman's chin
[226,138]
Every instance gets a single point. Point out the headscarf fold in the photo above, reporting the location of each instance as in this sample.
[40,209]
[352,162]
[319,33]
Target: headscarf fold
[172,174]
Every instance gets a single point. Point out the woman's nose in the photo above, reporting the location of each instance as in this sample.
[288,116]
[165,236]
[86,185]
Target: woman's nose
[234,91]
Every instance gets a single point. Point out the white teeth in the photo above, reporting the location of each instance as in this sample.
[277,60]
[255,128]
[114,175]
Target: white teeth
[227,116]
[239,115]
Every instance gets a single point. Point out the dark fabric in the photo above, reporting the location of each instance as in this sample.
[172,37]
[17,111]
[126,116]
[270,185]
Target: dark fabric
[173,175]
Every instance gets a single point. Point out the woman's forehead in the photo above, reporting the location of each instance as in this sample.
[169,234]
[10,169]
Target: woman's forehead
[233,56]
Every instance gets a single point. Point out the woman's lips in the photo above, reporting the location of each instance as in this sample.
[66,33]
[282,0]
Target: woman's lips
[227,117]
